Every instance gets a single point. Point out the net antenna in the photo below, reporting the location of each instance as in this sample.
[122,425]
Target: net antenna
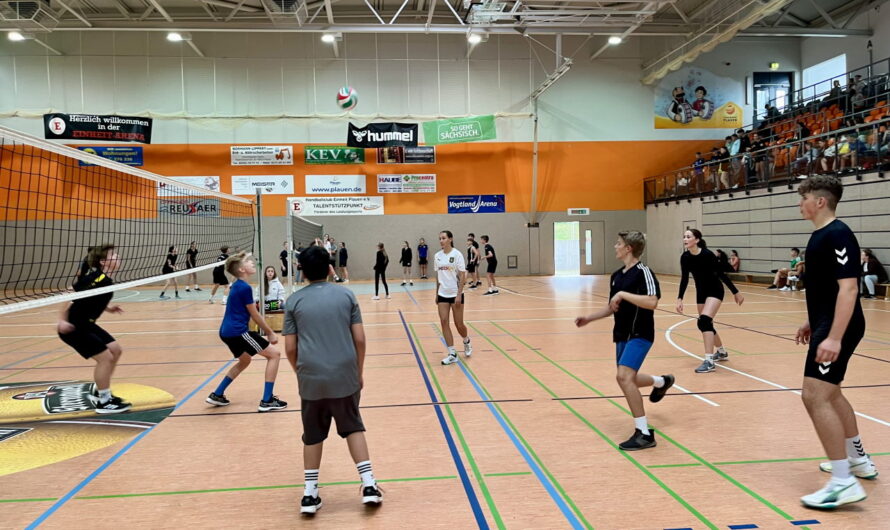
[299,231]
[56,202]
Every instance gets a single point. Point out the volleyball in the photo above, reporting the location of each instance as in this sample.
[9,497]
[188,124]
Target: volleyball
[347,98]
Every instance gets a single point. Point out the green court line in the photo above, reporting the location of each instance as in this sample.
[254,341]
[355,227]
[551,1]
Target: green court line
[601,434]
[531,451]
[23,370]
[223,490]
[514,474]
[770,461]
[463,443]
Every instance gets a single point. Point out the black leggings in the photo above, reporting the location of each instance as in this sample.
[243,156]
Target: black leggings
[377,277]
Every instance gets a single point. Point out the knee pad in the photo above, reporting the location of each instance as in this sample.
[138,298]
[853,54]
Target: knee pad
[706,323]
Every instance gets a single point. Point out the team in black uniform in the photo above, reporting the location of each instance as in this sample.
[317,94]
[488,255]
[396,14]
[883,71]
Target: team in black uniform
[633,297]
[491,259]
[191,261]
[709,277]
[219,275]
[168,268]
[835,325]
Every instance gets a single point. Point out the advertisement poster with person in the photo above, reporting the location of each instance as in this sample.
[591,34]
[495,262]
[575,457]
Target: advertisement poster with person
[694,98]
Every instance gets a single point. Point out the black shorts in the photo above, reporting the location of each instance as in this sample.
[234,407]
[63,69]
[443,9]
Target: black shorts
[250,343]
[219,278]
[421,261]
[406,264]
[342,262]
[444,300]
[471,267]
[166,270]
[832,372]
[87,339]
[492,266]
[714,292]
[317,415]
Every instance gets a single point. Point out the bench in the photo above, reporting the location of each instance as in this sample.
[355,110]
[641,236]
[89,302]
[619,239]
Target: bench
[751,277]
[275,319]
[885,287]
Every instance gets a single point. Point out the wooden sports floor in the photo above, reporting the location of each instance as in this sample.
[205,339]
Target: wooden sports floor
[523,435]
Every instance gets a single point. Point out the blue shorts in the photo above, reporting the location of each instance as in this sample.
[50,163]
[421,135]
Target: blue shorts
[632,353]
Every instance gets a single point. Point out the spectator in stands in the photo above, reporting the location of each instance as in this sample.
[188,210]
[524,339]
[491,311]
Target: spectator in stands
[848,152]
[735,164]
[807,157]
[735,263]
[803,131]
[698,167]
[829,156]
[761,157]
[857,100]
[859,84]
[872,273]
[749,166]
[723,167]
[834,95]
[772,113]
[744,141]
[782,274]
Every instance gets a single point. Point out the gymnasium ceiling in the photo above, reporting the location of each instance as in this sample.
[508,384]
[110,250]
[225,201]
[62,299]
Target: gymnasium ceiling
[580,17]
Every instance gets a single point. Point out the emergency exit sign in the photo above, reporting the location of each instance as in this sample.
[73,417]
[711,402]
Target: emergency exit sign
[579,211]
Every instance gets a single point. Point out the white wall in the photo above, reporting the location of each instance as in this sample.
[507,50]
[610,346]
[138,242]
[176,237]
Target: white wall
[288,82]
[815,50]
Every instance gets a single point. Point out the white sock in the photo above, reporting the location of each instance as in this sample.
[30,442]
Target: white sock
[311,476]
[105,395]
[451,351]
[641,424]
[854,447]
[365,472]
[840,470]
[657,381]
[721,349]
[466,340]
[709,357]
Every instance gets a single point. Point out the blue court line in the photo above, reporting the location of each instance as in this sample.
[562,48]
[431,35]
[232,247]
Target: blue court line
[687,528]
[8,366]
[557,498]
[805,522]
[411,296]
[74,491]
[743,526]
[458,462]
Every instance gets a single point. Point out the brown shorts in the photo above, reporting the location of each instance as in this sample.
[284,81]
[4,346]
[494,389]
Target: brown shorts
[317,415]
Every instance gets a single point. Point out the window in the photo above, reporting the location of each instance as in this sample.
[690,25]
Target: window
[822,74]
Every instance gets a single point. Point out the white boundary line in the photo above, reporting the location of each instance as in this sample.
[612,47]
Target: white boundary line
[667,335]
[708,401]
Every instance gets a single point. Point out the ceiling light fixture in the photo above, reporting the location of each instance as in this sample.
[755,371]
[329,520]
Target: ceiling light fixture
[15,36]
[328,37]
[474,38]
[614,40]
[174,36]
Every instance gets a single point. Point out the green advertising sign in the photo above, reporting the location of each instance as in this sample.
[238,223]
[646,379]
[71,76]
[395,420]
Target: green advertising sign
[333,154]
[459,130]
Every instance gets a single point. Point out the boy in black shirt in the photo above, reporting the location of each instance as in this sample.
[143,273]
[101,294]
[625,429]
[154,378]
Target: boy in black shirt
[191,261]
[833,329]
[634,295]
[492,260]
[77,327]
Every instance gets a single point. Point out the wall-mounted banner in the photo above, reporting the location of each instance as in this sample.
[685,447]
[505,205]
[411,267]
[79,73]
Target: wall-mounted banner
[208,183]
[335,184]
[270,184]
[372,205]
[382,135]
[131,156]
[189,207]
[476,204]
[459,130]
[262,155]
[407,155]
[332,154]
[92,127]
[406,183]
[694,98]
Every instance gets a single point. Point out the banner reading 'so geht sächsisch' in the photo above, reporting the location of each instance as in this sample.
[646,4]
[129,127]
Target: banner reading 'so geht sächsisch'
[476,204]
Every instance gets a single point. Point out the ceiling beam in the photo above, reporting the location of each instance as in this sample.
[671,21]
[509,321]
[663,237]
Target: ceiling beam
[161,10]
[77,15]
[824,14]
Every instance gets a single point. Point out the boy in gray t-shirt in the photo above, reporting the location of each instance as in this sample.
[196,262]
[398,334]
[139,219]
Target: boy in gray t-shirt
[325,345]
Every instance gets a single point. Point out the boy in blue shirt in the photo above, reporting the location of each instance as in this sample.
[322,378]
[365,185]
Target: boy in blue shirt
[242,342]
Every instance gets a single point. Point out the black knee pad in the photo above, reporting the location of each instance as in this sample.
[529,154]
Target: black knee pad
[706,323]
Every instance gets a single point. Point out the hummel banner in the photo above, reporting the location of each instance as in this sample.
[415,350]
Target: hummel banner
[382,135]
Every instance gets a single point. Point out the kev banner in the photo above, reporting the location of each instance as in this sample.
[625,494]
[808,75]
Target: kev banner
[382,135]
[93,127]
[476,204]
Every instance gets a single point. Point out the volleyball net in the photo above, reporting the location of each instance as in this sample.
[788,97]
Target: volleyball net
[300,233]
[56,202]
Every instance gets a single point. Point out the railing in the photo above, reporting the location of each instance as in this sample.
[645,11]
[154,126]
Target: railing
[783,163]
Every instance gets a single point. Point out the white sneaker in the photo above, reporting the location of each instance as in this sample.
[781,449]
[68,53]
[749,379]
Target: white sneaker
[861,467]
[835,494]
[786,288]
[468,348]
[375,297]
[223,301]
[451,359]
[388,297]
[211,301]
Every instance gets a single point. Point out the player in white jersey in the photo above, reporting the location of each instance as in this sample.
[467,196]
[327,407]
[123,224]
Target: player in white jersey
[451,273]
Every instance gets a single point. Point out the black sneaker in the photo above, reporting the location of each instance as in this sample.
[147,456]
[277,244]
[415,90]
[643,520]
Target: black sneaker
[486,292]
[771,287]
[309,505]
[197,288]
[403,283]
[658,393]
[478,284]
[218,400]
[372,495]
[272,404]
[639,441]
[114,405]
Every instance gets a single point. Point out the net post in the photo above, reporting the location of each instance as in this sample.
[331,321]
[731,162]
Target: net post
[290,247]
[259,251]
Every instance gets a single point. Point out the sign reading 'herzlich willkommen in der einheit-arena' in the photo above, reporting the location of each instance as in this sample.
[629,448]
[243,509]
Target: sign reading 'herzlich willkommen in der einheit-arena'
[382,135]
[59,126]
